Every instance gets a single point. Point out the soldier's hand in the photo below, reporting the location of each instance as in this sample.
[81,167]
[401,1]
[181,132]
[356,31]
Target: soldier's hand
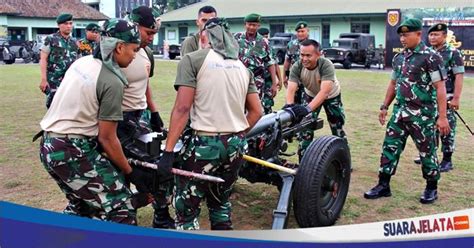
[156,122]
[165,164]
[285,83]
[382,116]
[443,126]
[43,85]
[141,180]
[298,112]
[454,104]
[274,89]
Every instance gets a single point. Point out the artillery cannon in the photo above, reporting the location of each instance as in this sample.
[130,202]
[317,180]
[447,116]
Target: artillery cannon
[321,182]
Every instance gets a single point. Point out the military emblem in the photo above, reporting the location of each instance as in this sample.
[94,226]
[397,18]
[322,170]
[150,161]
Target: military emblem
[452,39]
[302,26]
[440,26]
[393,17]
[405,29]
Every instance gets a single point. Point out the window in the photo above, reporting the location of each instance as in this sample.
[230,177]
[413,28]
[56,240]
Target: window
[326,35]
[360,27]
[171,34]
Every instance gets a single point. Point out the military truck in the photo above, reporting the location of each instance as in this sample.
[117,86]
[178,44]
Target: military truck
[349,48]
[279,44]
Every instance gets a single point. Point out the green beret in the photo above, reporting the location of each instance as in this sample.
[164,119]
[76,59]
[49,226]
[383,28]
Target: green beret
[263,31]
[123,30]
[253,18]
[92,27]
[63,17]
[301,24]
[438,27]
[409,25]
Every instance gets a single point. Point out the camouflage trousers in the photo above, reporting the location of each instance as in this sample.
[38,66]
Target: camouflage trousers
[447,141]
[214,155]
[264,87]
[335,116]
[93,186]
[136,123]
[422,131]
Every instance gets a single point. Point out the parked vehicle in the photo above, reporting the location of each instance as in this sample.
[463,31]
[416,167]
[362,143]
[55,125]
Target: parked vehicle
[349,48]
[175,50]
[279,43]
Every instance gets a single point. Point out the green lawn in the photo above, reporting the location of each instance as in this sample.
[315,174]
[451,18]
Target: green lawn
[24,181]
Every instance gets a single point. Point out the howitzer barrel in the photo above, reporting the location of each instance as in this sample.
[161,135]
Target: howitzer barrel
[267,121]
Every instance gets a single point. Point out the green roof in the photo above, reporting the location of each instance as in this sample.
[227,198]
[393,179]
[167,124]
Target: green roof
[301,8]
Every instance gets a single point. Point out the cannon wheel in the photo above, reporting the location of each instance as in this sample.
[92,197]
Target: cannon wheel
[322,182]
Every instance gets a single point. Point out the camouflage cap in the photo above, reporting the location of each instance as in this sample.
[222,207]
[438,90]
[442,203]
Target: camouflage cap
[438,27]
[145,17]
[409,25]
[92,27]
[121,29]
[253,18]
[263,31]
[63,17]
[300,24]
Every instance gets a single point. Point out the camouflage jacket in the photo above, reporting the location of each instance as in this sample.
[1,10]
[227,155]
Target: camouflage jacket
[415,71]
[62,53]
[255,55]
[293,51]
[370,52]
[85,47]
[453,64]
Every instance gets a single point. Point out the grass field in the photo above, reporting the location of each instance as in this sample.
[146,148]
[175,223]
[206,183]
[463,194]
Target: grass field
[23,179]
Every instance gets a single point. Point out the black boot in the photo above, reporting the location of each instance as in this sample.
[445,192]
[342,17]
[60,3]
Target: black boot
[430,194]
[446,165]
[162,219]
[382,189]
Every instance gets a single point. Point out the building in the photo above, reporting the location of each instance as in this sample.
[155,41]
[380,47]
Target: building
[326,18]
[116,8]
[24,20]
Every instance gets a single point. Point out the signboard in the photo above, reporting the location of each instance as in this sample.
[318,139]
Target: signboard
[460,23]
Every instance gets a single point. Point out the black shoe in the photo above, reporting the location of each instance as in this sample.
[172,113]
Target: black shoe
[163,220]
[429,196]
[445,166]
[417,160]
[380,190]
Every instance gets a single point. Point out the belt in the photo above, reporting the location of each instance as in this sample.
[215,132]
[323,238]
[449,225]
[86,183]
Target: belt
[65,136]
[205,133]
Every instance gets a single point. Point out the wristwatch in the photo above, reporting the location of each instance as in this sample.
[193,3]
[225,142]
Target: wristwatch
[383,107]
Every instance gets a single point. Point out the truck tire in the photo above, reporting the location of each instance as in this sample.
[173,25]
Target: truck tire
[347,63]
[9,62]
[172,56]
[322,182]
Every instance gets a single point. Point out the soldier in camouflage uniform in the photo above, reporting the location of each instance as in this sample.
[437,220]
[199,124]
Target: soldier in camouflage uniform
[87,45]
[137,101]
[369,56]
[416,77]
[256,55]
[220,114]
[293,55]
[317,76]
[58,52]
[454,67]
[82,117]
[381,57]
[265,32]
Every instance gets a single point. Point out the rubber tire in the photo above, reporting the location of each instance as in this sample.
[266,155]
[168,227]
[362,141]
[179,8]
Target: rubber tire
[9,62]
[347,63]
[307,202]
[172,56]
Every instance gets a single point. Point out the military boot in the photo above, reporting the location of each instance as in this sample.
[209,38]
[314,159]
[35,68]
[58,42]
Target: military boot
[446,164]
[162,219]
[382,189]
[430,194]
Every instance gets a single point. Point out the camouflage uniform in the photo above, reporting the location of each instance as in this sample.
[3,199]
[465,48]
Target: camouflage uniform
[257,56]
[79,169]
[415,110]
[381,58]
[86,47]
[62,53]
[370,54]
[219,156]
[293,54]
[453,64]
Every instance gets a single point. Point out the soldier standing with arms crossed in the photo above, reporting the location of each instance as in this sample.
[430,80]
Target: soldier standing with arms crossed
[58,52]
[217,92]
[416,78]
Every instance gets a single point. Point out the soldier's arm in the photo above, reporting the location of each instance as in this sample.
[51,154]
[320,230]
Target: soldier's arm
[291,91]
[389,96]
[179,115]
[326,87]
[458,70]
[254,109]
[149,98]
[442,122]
[43,65]
[111,145]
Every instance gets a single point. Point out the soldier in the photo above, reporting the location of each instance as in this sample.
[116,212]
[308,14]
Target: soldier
[381,57]
[321,89]
[454,66]
[87,45]
[256,55]
[82,117]
[416,78]
[137,99]
[265,32]
[220,114]
[293,55]
[57,54]
[369,56]
[191,43]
